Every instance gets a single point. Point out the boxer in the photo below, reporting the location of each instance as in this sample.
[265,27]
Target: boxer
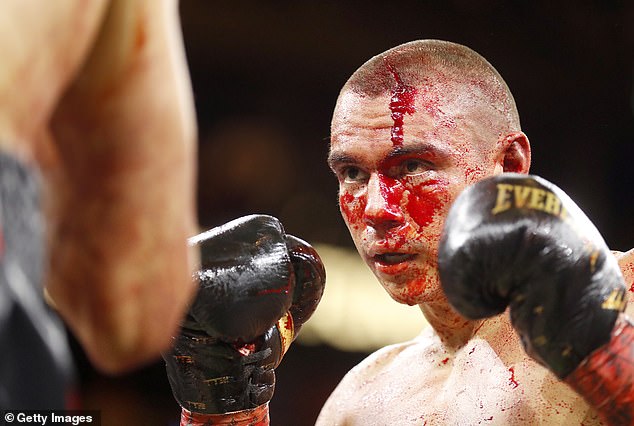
[412,128]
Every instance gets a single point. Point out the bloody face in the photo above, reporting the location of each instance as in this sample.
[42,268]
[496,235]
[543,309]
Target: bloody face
[399,173]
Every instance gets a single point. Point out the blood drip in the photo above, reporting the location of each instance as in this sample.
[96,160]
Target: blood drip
[512,380]
[401,103]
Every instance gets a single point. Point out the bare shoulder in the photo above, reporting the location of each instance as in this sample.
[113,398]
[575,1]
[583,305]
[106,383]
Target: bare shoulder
[626,262]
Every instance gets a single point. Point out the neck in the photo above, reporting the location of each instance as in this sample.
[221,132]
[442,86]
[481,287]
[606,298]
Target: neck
[453,330]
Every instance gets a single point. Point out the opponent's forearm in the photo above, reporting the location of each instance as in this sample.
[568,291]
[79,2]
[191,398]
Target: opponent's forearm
[258,416]
[606,378]
[120,265]
[121,268]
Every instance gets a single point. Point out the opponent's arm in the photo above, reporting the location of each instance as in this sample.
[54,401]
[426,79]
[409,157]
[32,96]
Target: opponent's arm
[520,242]
[125,135]
[257,286]
[42,45]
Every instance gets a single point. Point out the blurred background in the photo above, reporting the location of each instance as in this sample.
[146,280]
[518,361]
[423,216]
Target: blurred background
[266,76]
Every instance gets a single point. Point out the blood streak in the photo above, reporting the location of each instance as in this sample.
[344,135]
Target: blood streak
[421,202]
[280,290]
[512,380]
[140,37]
[351,208]
[401,103]
[392,192]
[425,200]
[423,208]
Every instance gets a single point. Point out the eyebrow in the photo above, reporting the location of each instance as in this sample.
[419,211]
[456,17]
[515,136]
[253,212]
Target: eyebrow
[419,148]
[336,158]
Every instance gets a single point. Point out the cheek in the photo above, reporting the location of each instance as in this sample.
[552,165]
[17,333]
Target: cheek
[426,201]
[352,209]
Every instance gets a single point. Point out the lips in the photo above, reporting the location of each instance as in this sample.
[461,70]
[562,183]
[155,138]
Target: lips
[391,263]
[389,259]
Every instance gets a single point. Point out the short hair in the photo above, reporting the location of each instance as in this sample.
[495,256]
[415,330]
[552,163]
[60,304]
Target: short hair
[424,61]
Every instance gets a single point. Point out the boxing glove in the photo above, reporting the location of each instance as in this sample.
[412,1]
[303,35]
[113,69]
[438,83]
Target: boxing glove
[245,279]
[518,241]
[257,286]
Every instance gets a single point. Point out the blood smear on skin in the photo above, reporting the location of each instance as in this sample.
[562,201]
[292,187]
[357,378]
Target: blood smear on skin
[512,380]
[401,103]
[351,208]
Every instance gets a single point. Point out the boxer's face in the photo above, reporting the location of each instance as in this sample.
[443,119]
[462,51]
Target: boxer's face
[397,181]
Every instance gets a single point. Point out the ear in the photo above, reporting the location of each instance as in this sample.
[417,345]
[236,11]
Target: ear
[514,153]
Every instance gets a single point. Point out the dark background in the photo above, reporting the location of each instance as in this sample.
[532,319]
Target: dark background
[266,76]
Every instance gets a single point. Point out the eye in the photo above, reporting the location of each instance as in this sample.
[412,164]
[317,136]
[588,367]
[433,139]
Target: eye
[412,167]
[353,174]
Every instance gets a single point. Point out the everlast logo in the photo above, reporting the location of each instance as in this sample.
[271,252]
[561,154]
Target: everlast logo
[617,300]
[527,197]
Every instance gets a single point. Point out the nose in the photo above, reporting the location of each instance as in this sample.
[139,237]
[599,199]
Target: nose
[383,210]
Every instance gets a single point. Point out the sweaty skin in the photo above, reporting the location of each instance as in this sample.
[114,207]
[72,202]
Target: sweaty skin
[394,198]
[101,104]
[626,262]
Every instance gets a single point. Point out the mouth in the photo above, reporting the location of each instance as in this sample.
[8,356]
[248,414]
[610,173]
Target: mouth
[391,259]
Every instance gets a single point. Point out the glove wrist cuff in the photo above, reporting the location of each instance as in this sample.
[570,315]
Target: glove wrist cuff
[605,377]
[258,416]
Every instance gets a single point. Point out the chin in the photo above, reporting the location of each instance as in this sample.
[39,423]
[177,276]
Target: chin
[423,289]
[407,300]
[405,294]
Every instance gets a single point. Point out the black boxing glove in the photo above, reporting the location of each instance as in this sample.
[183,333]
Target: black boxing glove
[519,241]
[253,277]
[211,376]
[245,279]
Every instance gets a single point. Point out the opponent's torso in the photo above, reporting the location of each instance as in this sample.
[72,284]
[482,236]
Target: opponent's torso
[35,367]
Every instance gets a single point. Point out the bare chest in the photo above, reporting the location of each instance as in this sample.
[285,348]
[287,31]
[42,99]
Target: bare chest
[471,388]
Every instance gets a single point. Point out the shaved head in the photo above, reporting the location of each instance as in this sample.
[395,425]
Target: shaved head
[443,69]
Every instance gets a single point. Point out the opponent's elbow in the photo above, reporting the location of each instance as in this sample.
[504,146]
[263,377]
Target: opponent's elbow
[131,335]
[122,326]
